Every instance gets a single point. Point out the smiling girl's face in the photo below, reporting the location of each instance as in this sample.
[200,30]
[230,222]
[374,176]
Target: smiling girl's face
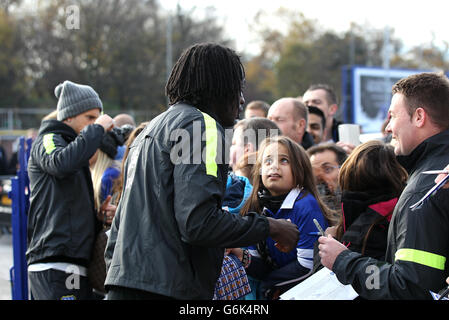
[276,172]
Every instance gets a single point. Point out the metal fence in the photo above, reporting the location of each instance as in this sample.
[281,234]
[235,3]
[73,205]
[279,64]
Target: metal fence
[19,195]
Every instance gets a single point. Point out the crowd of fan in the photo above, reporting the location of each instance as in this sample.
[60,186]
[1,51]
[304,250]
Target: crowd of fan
[142,226]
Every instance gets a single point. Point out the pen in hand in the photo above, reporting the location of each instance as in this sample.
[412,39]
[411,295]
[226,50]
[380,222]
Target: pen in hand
[444,293]
[435,172]
[434,189]
[320,229]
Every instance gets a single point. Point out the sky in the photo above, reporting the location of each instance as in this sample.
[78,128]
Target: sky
[414,22]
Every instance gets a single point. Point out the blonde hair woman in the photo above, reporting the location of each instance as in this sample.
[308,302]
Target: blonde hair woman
[105,167]
[104,170]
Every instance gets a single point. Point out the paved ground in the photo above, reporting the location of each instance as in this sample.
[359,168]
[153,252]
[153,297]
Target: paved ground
[6,261]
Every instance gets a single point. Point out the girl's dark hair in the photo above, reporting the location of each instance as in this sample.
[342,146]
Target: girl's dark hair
[301,171]
[372,167]
[207,75]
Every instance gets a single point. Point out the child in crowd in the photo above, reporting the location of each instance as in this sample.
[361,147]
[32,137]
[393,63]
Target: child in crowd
[283,187]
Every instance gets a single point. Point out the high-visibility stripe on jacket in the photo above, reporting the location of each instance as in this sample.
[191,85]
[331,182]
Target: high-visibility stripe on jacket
[418,242]
[169,231]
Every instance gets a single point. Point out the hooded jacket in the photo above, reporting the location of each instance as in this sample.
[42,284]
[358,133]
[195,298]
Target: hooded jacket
[238,190]
[367,215]
[169,232]
[418,242]
[61,219]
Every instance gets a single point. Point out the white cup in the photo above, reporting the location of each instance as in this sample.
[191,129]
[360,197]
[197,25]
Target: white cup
[349,133]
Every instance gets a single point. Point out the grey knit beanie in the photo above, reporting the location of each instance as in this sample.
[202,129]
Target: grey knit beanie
[74,99]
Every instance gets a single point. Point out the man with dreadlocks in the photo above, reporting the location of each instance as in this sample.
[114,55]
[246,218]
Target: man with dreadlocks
[169,233]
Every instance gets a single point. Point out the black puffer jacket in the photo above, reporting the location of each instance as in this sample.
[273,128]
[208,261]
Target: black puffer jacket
[62,220]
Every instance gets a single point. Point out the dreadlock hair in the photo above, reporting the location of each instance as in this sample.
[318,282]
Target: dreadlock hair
[207,75]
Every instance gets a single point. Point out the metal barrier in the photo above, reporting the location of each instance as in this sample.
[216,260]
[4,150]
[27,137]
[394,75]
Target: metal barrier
[20,197]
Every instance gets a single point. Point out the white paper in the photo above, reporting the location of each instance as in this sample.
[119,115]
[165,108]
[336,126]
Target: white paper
[349,133]
[322,285]
[436,296]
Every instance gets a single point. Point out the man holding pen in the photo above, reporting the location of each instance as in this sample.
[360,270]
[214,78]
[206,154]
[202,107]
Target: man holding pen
[416,258]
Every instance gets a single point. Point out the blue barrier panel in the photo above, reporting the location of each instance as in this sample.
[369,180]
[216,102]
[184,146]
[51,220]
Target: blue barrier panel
[20,204]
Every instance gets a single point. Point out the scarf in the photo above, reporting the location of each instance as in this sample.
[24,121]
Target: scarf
[273,204]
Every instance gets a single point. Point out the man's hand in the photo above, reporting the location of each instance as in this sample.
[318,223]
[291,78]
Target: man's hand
[348,147]
[442,176]
[284,233]
[107,211]
[331,231]
[105,121]
[329,250]
[238,252]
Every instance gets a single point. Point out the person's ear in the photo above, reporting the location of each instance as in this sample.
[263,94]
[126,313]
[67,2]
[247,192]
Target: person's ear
[249,147]
[420,117]
[333,109]
[302,124]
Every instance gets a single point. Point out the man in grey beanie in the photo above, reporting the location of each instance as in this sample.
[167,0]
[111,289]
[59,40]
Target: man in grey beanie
[62,220]
[74,100]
